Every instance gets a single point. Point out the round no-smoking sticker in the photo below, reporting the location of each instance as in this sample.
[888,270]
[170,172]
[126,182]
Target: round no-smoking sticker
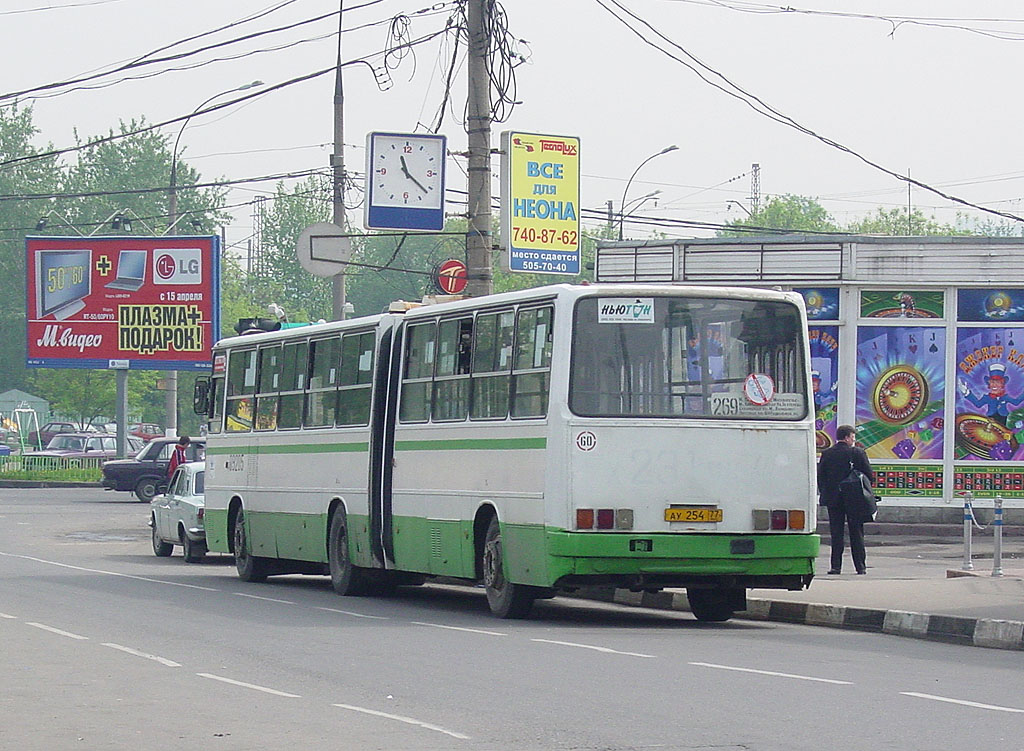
[759,388]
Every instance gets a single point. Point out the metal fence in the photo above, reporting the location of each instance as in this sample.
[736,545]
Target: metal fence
[30,467]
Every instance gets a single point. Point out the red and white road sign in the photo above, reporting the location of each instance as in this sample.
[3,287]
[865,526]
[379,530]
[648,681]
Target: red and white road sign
[452,276]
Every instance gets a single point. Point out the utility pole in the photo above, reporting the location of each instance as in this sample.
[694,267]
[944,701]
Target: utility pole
[478,236]
[338,165]
[611,215]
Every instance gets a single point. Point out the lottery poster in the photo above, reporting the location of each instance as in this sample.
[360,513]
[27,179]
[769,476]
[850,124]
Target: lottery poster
[990,394]
[1002,305]
[900,391]
[825,383]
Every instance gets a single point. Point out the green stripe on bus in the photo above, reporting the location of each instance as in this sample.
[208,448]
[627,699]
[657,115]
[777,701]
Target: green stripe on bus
[472,444]
[293,448]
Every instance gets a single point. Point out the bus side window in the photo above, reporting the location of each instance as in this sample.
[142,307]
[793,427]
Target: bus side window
[451,380]
[356,379]
[322,397]
[266,397]
[531,374]
[293,385]
[241,384]
[492,365]
[418,373]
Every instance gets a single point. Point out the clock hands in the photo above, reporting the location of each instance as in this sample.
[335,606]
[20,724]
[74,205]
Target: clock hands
[405,171]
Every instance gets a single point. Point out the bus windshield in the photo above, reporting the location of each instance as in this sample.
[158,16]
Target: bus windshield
[687,357]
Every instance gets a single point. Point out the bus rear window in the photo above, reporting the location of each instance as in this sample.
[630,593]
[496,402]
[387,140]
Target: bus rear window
[688,357]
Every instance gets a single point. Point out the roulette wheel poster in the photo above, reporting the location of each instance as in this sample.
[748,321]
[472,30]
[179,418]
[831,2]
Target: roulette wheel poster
[989,394]
[900,392]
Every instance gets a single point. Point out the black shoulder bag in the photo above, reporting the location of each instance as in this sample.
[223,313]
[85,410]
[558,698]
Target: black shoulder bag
[858,496]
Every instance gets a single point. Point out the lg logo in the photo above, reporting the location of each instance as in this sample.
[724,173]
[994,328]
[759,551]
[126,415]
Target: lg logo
[178,266]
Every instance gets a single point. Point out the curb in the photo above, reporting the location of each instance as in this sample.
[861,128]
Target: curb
[976,632]
[47,484]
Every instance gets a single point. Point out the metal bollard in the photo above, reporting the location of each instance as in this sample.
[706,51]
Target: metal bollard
[997,533]
[968,519]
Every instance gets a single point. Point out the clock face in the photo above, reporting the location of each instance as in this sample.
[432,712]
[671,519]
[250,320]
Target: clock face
[407,171]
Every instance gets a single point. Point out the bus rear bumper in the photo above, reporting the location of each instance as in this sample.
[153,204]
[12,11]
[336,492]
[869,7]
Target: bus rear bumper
[654,561]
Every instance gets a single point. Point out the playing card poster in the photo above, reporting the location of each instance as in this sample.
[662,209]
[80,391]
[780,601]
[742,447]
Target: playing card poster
[900,391]
[825,383]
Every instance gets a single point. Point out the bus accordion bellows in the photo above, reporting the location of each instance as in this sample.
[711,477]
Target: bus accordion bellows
[537,441]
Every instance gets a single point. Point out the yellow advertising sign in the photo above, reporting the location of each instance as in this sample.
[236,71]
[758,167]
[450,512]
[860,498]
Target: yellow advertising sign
[540,202]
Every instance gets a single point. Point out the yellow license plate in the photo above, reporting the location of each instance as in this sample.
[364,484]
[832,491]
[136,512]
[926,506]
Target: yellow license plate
[692,514]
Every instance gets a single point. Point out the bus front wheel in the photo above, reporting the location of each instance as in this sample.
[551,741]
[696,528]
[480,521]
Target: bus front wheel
[714,605]
[250,568]
[506,600]
[345,578]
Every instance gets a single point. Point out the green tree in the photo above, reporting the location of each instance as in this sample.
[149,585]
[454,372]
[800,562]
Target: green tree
[17,219]
[786,212]
[82,395]
[896,222]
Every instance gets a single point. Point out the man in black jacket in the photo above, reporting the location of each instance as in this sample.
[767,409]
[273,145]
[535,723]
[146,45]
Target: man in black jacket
[834,465]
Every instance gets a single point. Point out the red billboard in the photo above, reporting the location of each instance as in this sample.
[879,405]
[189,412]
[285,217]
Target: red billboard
[146,303]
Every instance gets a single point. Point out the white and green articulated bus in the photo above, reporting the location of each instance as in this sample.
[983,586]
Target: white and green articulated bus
[538,441]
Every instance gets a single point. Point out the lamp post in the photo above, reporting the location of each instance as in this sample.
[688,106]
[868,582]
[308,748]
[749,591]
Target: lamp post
[622,203]
[636,203]
[731,202]
[171,395]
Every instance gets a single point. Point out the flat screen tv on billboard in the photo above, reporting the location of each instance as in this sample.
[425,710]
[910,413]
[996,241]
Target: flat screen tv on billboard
[99,302]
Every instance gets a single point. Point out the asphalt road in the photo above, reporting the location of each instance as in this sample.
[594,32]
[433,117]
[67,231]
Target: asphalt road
[105,646]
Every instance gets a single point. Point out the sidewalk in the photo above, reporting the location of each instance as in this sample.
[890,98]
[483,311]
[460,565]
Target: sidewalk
[914,587]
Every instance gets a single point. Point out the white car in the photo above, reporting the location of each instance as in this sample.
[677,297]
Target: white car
[177,516]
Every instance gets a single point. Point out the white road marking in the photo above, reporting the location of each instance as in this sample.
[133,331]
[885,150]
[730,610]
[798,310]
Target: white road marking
[996,707]
[355,615]
[253,686]
[11,617]
[589,646]
[407,720]
[137,653]
[459,628]
[771,672]
[268,599]
[53,630]
[109,573]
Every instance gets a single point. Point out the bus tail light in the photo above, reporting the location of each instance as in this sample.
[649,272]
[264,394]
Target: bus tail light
[623,518]
[779,519]
[584,518]
[605,518]
[200,513]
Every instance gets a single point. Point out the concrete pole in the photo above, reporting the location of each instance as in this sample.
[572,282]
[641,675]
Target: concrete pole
[121,412]
[478,236]
[171,378]
[338,291]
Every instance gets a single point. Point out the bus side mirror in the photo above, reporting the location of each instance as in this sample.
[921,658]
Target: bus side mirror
[201,396]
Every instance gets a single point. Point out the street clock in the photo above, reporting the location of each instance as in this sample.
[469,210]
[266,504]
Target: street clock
[405,181]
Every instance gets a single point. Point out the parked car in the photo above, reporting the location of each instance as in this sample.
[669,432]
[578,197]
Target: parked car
[176,515]
[87,445]
[45,434]
[146,474]
[147,431]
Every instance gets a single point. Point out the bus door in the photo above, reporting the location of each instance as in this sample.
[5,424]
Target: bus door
[382,442]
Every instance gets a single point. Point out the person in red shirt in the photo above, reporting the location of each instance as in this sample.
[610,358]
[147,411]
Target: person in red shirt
[178,455]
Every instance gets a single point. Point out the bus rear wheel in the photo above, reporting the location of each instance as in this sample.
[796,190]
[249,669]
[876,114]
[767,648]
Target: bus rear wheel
[346,578]
[713,605]
[250,568]
[506,600]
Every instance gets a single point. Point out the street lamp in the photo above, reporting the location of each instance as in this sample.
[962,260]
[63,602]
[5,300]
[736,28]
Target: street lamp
[730,202]
[622,203]
[636,203]
[173,196]
[171,395]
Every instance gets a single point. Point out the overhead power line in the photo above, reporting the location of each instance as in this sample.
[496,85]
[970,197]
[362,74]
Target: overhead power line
[212,107]
[705,72]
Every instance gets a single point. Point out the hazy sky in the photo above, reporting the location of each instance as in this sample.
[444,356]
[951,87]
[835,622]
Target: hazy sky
[934,90]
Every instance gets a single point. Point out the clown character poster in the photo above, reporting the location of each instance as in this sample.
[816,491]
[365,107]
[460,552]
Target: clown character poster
[900,391]
[990,394]
[825,380]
